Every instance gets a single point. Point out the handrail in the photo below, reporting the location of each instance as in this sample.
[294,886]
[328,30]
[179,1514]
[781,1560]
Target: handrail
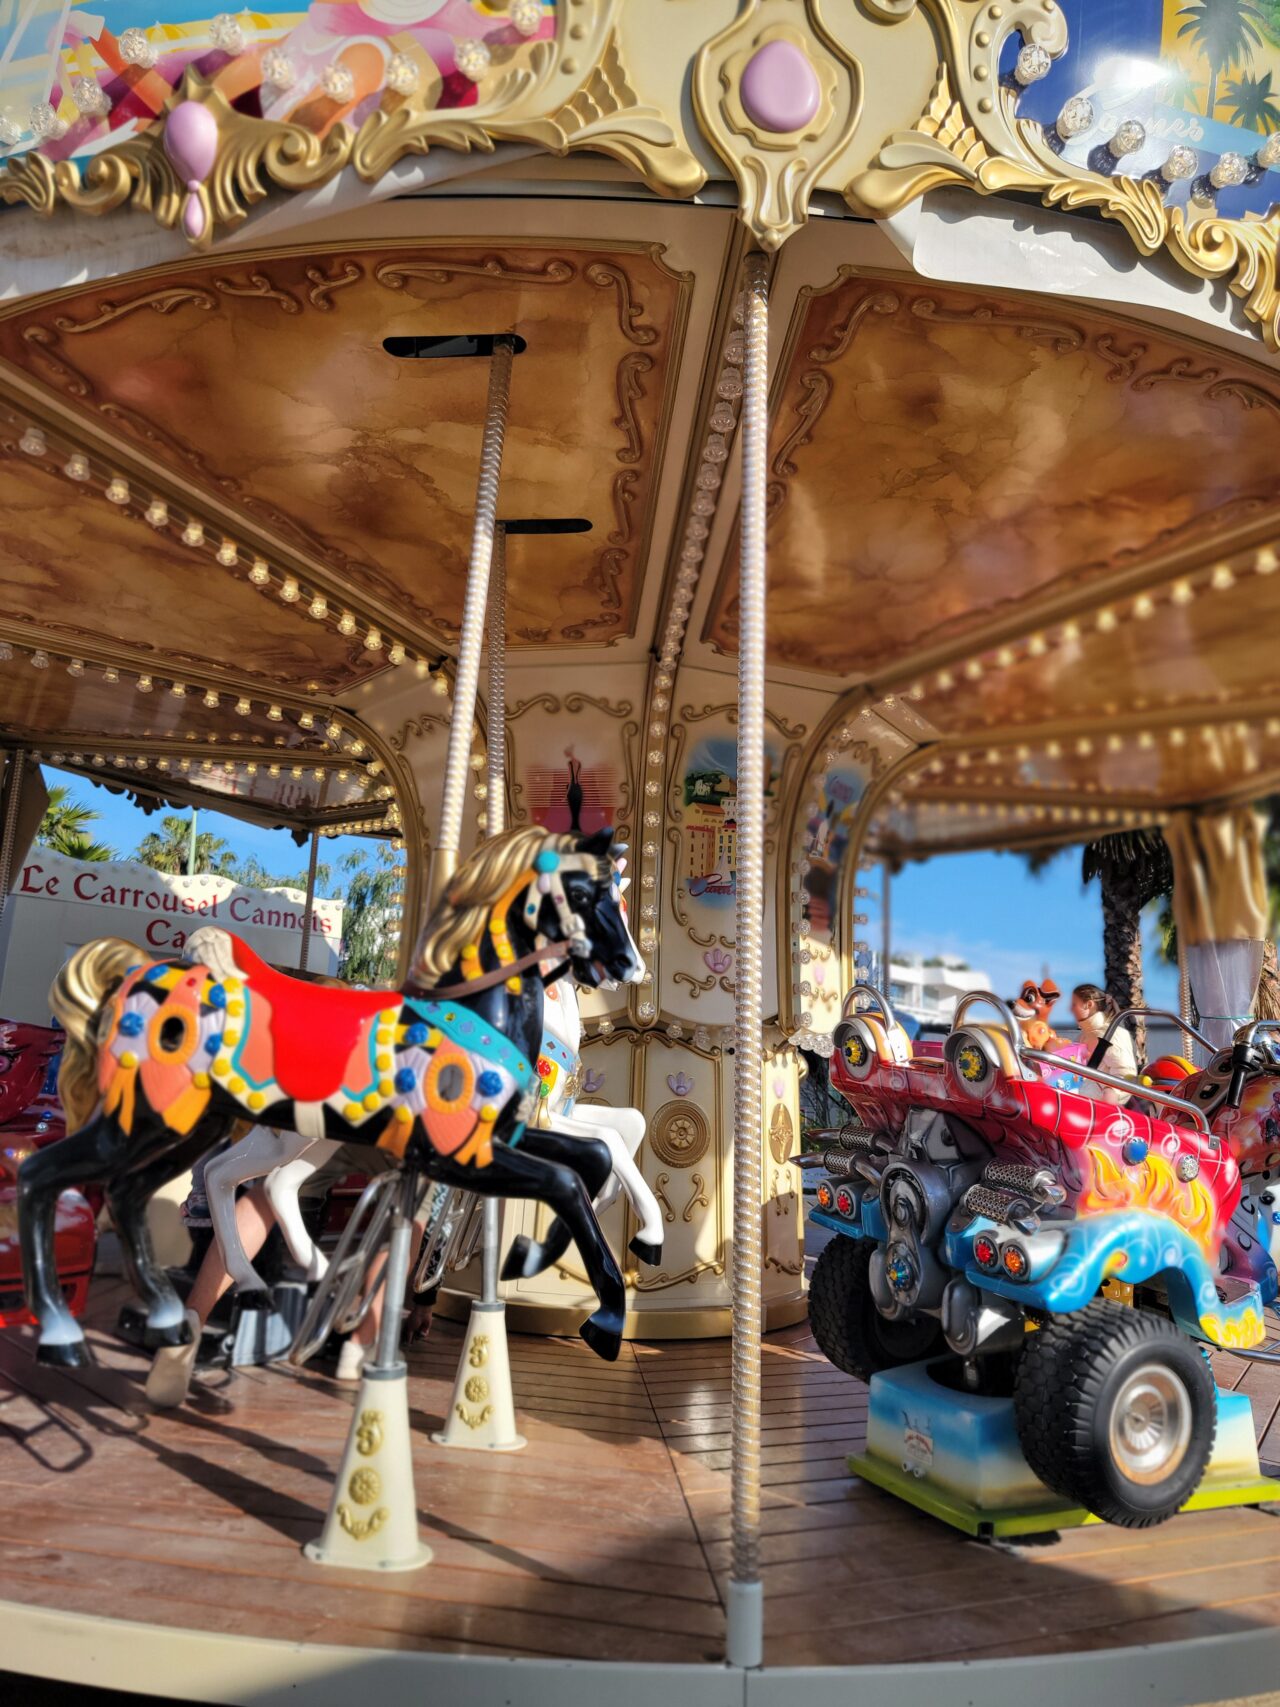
[846,1010]
[1131,1087]
[1248,1032]
[971,997]
[1158,1013]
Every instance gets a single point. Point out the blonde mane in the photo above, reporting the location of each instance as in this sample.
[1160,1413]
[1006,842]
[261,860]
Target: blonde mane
[463,914]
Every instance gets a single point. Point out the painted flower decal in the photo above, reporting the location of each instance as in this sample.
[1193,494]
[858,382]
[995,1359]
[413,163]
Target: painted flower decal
[592,1081]
[718,961]
[679,1084]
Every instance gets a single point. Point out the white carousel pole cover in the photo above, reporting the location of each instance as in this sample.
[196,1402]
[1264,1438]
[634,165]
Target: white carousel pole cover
[372,1524]
[482,1416]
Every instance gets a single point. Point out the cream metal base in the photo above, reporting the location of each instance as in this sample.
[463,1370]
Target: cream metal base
[482,1413]
[372,1523]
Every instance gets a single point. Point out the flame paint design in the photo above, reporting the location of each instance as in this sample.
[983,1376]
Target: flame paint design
[1154,1186]
[1247,1330]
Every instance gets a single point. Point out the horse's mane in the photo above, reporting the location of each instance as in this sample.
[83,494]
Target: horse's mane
[462,914]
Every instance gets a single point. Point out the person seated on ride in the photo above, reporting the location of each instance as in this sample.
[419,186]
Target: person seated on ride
[1031,1008]
[1094,1010]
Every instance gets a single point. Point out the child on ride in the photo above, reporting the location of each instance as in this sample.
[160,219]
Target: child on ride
[1094,1010]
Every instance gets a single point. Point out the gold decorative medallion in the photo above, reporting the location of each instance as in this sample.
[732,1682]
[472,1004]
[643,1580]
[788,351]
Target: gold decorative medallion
[478,1355]
[778,98]
[782,1133]
[364,1486]
[679,1134]
[369,1433]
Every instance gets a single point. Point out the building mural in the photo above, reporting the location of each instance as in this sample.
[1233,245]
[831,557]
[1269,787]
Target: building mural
[710,799]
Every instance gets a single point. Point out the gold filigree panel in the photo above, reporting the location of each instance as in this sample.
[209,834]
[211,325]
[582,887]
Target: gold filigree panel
[266,385]
[938,457]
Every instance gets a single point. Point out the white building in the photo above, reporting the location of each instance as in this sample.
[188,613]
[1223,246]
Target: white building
[57,904]
[930,993]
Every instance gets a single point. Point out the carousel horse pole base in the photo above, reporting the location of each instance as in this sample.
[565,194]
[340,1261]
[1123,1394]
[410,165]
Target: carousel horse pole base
[482,1414]
[956,1456]
[372,1523]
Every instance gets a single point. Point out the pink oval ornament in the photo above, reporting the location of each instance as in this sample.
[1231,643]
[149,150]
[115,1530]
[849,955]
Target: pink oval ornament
[779,88]
[191,142]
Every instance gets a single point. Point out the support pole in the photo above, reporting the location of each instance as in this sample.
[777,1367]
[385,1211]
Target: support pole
[471,638]
[191,845]
[482,1413]
[372,1524]
[745,1609]
[1184,1006]
[308,912]
[9,835]
[886,934]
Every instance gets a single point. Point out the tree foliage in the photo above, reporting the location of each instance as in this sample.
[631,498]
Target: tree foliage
[65,827]
[168,849]
[371,919]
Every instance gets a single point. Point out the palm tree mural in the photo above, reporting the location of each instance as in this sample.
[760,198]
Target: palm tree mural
[1252,103]
[1225,32]
[1180,88]
[65,827]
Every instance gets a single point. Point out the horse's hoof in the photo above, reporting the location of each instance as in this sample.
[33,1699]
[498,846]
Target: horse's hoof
[254,1298]
[603,1335]
[650,1254]
[66,1354]
[172,1334]
[517,1264]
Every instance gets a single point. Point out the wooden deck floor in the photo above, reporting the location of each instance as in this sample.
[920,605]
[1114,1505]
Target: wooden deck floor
[606,1538]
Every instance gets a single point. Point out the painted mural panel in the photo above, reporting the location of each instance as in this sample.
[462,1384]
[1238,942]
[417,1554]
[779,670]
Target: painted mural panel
[74,80]
[709,842]
[1202,73]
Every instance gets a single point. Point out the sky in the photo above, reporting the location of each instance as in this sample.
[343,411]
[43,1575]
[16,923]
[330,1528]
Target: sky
[122,825]
[989,910]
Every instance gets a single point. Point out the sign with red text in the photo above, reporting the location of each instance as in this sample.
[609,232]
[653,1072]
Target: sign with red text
[56,904]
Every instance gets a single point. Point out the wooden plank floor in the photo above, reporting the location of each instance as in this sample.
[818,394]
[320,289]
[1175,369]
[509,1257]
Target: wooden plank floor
[606,1538]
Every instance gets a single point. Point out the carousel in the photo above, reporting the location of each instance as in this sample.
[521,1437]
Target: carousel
[655,466]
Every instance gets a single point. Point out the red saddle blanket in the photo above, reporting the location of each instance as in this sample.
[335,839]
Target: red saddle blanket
[314,1027]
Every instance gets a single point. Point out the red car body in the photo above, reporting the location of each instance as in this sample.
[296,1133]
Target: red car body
[30,1118]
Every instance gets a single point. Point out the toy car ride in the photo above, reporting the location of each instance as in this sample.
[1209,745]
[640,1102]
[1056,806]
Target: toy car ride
[1029,1276]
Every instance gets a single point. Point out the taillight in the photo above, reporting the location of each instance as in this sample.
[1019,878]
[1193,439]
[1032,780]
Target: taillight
[826,1195]
[986,1253]
[845,1201]
[1016,1262]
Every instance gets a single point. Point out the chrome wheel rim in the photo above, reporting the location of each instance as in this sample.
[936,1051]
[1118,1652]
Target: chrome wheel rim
[1150,1426]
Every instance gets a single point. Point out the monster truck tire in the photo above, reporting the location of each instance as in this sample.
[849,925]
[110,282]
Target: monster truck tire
[850,1331]
[1116,1411]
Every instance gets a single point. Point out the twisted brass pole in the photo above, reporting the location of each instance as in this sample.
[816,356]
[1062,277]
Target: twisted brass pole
[745,1609]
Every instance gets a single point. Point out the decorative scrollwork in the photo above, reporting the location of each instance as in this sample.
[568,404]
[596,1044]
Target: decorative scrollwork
[607,275]
[698,1198]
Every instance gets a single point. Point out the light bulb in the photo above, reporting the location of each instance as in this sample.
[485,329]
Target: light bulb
[228,553]
[1182,163]
[526,16]
[1228,171]
[1269,154]
[33,442]
[91,98]
[259,573]
[193,534]
[158,513]
[136,49]
[116,491]
[243,707]
[145,684]
[318,608]
[338,82]
[210,699]
[289,590]
[472,59]
[1129,137]
[46,126]
[1076,117]
[227,32]
[1032,63]
[76,466]
[278,69]
[402,76]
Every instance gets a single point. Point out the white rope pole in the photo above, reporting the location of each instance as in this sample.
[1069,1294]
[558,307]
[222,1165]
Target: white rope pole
[496,809]
[457,764]
[745,1609]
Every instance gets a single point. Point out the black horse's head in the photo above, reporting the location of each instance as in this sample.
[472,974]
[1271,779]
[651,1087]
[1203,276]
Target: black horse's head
[600,945]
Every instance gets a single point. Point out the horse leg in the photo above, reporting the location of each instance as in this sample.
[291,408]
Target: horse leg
[588,1156]
[623,1130]
[283,1185]
[89,1154]
[257,1153]
[127,1197]
[520,1173]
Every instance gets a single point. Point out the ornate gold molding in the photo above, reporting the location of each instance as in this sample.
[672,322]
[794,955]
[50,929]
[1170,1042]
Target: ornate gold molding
[975,139]
[569,94]
[776,142]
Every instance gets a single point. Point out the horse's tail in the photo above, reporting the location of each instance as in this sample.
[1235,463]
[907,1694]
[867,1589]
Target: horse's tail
[77,998]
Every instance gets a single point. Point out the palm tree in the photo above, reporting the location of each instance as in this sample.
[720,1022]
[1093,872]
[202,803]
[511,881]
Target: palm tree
[65,827]
[168,849]
[1133,868]
[1225,32]
[1251,103]
[1180,89]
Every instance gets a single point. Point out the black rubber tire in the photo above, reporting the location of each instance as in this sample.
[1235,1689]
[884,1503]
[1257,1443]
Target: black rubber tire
[1069,1376]
[850,1331]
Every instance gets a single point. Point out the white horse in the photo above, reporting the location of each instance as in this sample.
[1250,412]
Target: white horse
[288,1159]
